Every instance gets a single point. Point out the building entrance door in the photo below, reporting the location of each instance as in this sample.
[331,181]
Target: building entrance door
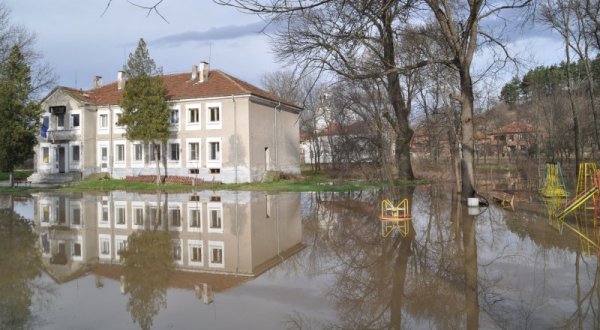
[61,159]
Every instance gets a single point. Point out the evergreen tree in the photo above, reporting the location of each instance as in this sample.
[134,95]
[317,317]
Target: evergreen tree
[145,109]
[19,114]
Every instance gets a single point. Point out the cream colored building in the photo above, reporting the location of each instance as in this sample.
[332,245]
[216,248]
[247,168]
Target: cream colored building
[222,129]
[228,233]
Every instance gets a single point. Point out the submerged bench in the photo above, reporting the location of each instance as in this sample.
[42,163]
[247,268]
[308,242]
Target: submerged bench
[502,198]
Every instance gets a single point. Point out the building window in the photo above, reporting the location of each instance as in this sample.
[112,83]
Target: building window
[75,120]
[104,213]
[76,218]
[154,148]
[194,115]
[174,119]
[120,152]
[214,149]
[216,255]
[138,216]
[75,154]
[104,246]
[45,155]
[154,218]
[175,218]
[46,214]
[215,222]
[194,171]
[118,119]
[194,151]
[176,244]
[103,120]
[195,220]
[214,114]
[76,249]
[174,151]
[196,254]
[60,120]
[120,214]
[138,152]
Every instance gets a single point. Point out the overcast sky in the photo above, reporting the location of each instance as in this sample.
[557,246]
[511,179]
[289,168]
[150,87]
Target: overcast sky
[79,43]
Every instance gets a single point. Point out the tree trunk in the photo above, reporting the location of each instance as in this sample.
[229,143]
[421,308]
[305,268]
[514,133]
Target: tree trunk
[401,112]
[155,149]
[467,142]
[11,179]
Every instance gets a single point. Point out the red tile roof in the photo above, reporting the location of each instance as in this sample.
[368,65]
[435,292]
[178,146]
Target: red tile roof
[180,86]
[514,127]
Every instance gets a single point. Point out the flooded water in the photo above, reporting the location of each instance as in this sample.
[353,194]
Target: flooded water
[250,260]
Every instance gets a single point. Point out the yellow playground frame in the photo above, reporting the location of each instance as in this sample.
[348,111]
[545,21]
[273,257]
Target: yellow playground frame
[394,217]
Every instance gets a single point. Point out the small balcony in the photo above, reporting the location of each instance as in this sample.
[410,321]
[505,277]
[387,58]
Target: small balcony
[62,135]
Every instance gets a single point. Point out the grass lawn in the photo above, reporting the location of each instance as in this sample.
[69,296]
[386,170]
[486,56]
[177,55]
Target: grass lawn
[309,182]
[19,174]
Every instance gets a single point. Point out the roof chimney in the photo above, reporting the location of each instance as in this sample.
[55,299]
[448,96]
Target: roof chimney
[97,82]
[203,71]
[194,72]
[121,80]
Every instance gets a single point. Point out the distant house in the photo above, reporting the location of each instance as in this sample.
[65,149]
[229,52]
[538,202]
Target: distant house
[516,137]
[350,143]
[222,129]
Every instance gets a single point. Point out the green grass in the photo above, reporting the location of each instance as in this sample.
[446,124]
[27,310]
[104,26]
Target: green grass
[310,182]
[18,174]
[15,189]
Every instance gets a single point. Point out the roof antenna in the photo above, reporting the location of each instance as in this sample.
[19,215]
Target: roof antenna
[75,79]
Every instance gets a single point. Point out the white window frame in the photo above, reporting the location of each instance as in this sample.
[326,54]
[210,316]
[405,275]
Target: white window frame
[75,205]
[104,238]
[46,205]
[194,206]
[192,244]
[175,206]
[170,161]
[74,163]
[214,206]
[210,124]
[214,163]
[213,245]
[189,125]
[103,129]
[150,150]
[77,239]
[134,162]
[122,206]
[191,163]
[175,242]
[71,121]
[134,207]
[120,163]
[120,240]
[99,160]
[47,159]
[104,204]
[117,129]
[174,126]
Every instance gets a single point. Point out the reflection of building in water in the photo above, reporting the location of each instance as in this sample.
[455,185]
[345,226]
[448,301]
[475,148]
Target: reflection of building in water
[237,233]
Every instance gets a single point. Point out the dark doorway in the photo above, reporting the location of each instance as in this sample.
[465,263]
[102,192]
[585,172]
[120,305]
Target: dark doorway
[61,160]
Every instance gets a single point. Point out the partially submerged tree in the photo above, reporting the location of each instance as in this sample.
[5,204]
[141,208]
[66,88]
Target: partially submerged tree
[145,109]
[19,113]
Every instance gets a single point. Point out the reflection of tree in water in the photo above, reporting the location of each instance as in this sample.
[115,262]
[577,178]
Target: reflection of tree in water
[393,282]
[20,263]
[147,266]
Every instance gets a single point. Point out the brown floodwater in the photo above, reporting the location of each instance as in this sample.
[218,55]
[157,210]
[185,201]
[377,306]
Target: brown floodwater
[250,260]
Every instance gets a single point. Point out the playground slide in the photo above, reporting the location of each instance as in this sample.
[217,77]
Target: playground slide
[577,202]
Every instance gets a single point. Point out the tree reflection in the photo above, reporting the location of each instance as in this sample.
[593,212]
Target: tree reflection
[396,282]
[147,266]
[20,263]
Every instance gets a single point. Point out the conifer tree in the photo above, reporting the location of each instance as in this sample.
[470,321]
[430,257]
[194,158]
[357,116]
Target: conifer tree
[19,114]
[145,109]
